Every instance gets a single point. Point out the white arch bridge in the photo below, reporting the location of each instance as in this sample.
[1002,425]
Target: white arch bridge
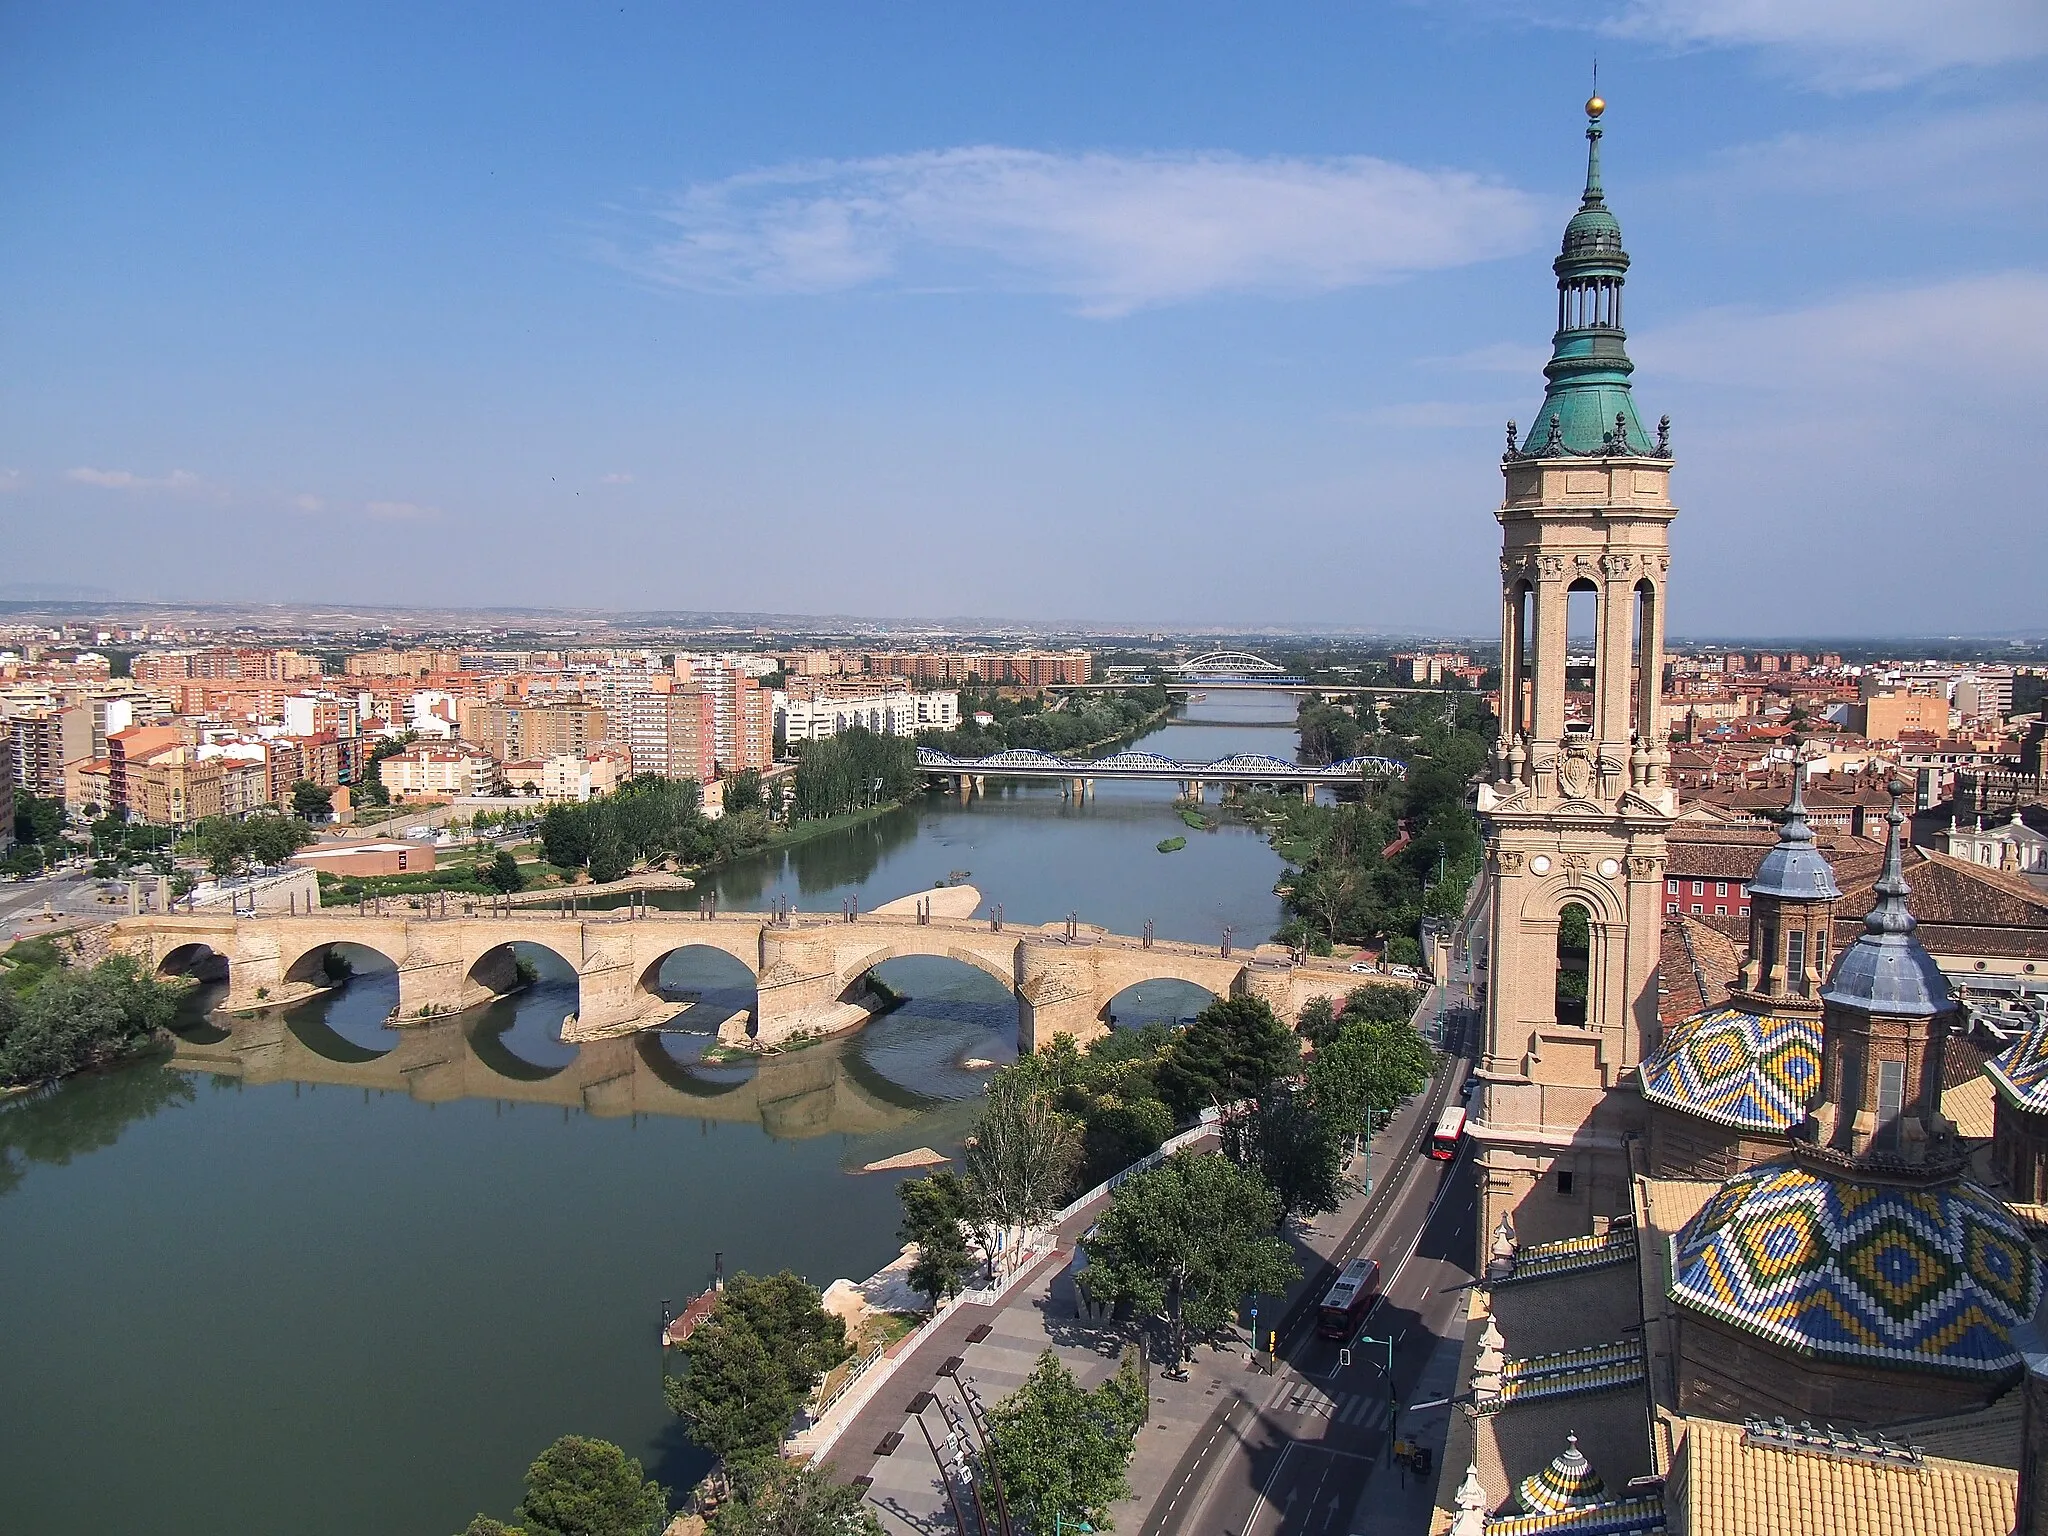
[1227,664]
[1246,768]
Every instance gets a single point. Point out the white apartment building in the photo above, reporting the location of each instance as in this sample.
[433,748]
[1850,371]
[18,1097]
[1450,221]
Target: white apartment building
[438,771]
[889,712]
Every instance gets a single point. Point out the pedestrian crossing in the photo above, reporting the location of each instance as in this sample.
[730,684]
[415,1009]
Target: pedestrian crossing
[1366,1410]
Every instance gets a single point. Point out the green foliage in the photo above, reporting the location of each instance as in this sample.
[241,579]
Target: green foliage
[1190,1238]
[935,1211]
[1235,1047]
[1367,1066]
[851,771]
[1022,1160]
[1317,1022]
[1078,722]
[779,1498]
[645,819]
[743,792]
[581,1487]
[1574,930]
[1172,844]
[38,818]
[751,1364]
[61,1021]
[1382,1002]
[502,873]
[311,801]
[265,840]
[1111,1091]
[1063,1450]
[1285,1138]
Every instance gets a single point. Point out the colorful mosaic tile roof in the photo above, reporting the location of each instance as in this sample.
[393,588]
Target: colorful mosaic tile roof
[1606,1368]
[1934,1278]
[1569,1482]
[1749,1070]
[1611,1517]
[1542,1261]
[2021,1071]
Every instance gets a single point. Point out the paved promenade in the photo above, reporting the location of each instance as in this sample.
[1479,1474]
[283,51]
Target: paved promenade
[997,1346]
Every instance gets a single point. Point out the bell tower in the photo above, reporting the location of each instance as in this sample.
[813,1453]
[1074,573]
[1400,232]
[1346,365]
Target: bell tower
[1580,800]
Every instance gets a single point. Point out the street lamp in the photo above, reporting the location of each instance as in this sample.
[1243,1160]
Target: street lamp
[1393,1408]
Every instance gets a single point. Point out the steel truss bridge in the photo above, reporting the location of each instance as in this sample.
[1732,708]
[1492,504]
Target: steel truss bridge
[1245,768]
[1232,664]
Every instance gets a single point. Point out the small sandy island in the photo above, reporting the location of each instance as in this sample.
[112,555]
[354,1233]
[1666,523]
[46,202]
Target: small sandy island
[919,1157]
[946,900]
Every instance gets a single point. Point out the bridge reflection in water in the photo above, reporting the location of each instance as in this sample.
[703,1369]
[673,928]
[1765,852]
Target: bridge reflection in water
[936,1049]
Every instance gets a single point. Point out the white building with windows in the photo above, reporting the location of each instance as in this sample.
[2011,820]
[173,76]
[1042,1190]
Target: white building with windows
[887,712]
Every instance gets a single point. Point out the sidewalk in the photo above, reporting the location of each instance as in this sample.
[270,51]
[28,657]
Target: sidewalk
[998,1345]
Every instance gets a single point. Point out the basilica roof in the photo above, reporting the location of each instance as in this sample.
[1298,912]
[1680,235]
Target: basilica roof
[2021,1071]
[1753,1071]
[1932,1278]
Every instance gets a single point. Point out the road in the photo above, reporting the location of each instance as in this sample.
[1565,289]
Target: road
[1295,1453]
[69,893]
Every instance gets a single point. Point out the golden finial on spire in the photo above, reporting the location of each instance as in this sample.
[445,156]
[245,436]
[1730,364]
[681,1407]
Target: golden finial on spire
[1595,106]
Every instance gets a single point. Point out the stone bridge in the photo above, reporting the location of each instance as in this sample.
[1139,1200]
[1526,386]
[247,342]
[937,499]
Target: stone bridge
[803,1094]
[810,971]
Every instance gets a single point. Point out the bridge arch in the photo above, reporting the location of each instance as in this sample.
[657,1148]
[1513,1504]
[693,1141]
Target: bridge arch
[935,948]
[1228,664]
[707,977]
[1163,999]
[501,968]
[200,961]
[310,967]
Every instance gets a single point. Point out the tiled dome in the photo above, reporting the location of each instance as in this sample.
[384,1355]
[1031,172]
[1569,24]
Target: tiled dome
[1934,1278]
[1753,1071]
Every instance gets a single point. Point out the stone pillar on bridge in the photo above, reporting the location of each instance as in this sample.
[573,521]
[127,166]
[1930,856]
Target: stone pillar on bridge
[1056,993]
[799,982]
[980,785]
[430,982]
[1274,982]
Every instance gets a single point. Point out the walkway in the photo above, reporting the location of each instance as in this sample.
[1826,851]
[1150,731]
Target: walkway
[997,1346]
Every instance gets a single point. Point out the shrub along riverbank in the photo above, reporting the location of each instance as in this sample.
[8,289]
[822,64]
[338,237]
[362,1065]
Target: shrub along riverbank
[57,1019]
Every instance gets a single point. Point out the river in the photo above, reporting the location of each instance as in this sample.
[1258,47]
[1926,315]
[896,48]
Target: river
[315,1275]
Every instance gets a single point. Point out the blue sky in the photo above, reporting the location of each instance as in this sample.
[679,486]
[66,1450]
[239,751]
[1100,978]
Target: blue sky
[1189,313]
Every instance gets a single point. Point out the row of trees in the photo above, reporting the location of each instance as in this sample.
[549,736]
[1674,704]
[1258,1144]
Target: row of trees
[57,1019]
[1369,870]
[852,771]
[1083,721]
[262,841]
[646,820]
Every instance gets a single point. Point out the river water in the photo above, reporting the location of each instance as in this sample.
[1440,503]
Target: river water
[315,1275]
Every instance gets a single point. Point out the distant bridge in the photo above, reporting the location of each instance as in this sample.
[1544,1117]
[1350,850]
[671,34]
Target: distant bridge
[1082,772]
[1229,664]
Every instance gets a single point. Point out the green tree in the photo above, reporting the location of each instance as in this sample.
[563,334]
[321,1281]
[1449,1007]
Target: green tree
[268,839]
[752,1362]
[1285,1138]
[221,844]
[582,1487]
[38,818]
[1190,1239]
[1234,1048]
[778,1498]
[565,834]
[609,859]
[1022,1159]
[743,792]
[1368,1066]
[1381,1002]
[62,1020]
[312,802]
[1317,1022]
[1062,1450]
[935,1210]
[502,873]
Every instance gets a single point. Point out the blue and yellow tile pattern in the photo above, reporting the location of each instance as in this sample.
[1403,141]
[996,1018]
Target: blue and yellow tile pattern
[1753,1071]
[2021,1070]
[1934,1278]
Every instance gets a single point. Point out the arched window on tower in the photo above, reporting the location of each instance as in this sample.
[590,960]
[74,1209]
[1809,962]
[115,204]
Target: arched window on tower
[1519,671]
[1582,655]
[1574,956]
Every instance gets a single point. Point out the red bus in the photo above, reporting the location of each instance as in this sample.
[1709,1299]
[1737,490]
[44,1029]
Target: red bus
[1350,1297]
[1450,1130]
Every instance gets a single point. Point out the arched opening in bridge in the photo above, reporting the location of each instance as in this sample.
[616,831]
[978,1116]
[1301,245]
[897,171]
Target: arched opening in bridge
[1164,1000]
[1582,655]
[945,1023]
[1574,951]
[207,970]
[534,990]
[715,989]
[347,1020]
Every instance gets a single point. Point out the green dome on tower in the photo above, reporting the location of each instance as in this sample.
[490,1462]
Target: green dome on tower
[1588,410]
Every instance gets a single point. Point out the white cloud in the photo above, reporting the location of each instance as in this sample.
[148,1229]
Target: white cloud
[309,503]
[1113,232]
[1852,44]
[399,511]
[179,482]
[1985,162]
[615,477]
[1985,331]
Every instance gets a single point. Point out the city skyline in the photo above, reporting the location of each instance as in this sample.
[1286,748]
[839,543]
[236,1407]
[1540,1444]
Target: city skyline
[1179,319]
